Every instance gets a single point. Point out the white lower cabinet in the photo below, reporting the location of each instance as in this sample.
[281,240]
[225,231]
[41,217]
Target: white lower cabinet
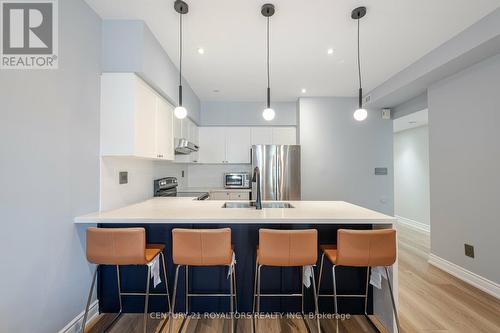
[239,196]
[229,195]
[135,120]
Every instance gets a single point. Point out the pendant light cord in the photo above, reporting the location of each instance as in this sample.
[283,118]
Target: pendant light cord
[359,61]
[180,49]
[268,76]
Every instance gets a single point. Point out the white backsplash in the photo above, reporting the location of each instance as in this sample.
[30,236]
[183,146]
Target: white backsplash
[141,173]
[211,175]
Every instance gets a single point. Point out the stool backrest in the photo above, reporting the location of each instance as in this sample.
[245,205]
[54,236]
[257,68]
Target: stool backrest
[116,246]
[201,247]
[288,247]
[366,248]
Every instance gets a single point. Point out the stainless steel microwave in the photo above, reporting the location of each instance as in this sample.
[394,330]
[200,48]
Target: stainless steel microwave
[236,180]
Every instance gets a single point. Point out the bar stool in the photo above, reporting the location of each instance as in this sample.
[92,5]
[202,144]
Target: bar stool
[123,246]
[361,248]
[286,248]
[204,247]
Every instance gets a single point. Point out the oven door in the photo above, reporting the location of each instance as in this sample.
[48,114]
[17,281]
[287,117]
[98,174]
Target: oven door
[232,180]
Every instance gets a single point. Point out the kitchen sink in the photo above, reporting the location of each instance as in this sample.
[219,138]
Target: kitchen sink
[251,204]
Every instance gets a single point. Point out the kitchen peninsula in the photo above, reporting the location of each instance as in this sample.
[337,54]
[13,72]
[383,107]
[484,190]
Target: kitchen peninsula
[160,215]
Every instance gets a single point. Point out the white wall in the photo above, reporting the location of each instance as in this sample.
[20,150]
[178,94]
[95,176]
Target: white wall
[339,154]
[464,136]
[141,173]
[49,173]
[247,114]
[129,46]
[211,175]
[411,174]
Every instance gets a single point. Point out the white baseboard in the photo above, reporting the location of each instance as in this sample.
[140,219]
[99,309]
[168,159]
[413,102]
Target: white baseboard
[465,275]
[75,325]
[414,224]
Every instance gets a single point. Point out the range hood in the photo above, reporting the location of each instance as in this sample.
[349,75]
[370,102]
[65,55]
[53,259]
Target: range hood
[185,147]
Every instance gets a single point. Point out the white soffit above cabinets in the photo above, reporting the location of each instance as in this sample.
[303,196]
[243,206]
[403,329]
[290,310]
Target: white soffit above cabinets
[395,34]
[416,119]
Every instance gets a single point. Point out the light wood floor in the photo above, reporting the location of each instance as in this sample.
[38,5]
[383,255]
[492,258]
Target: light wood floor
[431,301]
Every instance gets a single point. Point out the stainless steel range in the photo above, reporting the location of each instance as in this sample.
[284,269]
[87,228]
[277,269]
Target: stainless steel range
[167,187]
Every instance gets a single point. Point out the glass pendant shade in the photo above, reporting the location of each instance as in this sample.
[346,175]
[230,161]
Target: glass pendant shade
[180,112]
[360,114]
[268,114]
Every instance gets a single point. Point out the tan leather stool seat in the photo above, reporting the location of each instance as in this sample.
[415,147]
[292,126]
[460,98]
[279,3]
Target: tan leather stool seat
[152,250]
[331,254]
[202,247]
[287,247]
[120,246]
[328,247]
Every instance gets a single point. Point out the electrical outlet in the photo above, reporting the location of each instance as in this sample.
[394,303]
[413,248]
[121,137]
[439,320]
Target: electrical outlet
[469,250]
[123,177]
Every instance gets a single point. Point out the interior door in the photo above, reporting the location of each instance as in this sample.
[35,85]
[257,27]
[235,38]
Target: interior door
[288,179]
[264,157]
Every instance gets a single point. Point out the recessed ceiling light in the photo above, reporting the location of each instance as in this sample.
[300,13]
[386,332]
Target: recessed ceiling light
[201,50]
[304,90]
[329,51]
[216,90]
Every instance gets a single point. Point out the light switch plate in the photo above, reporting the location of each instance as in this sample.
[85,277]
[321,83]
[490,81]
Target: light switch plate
[123,177]
[381,171]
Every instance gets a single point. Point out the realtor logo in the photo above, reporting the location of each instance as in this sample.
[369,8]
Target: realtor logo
[29,34]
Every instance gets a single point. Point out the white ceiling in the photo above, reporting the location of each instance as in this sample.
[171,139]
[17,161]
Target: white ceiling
[394,34]
[412,120]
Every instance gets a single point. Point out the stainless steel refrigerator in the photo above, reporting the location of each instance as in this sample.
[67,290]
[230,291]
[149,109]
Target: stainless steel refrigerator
[279,167]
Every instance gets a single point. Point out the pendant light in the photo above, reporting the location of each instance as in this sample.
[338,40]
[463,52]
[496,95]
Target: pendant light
[360,114]
[182,8]
[268,10]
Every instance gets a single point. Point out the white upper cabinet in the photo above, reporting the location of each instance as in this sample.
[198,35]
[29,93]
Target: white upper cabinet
[284,136]
[135,120]
[144,121]
[238,144]
[233,144]
[164,130]
[262,135]
[177,128]
[212,145]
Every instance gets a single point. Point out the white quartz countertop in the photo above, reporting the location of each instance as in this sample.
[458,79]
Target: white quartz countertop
[187,210]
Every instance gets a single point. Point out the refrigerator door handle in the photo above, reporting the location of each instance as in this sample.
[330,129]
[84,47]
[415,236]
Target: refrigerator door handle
[277,191]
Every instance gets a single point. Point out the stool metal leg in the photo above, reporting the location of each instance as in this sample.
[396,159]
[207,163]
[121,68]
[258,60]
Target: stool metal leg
[320,272]
[186,270]
[89,299]
[258,289]
[235,289]
[302,289]
[174,296]
[366,289]
[255,287]
[231,282]
[392,299]
[146,301]
[334,291]
[166,282]
[119,286]
[316,307]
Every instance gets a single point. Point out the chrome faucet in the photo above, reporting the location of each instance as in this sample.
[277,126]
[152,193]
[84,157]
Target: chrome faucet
[256,179]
